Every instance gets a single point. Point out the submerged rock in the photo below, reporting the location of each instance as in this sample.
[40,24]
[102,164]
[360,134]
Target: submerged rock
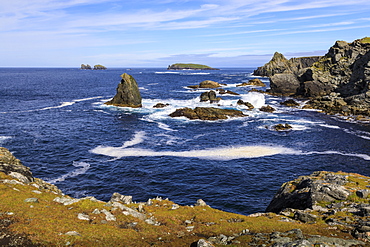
[282,127]
[207,113]
[128,94]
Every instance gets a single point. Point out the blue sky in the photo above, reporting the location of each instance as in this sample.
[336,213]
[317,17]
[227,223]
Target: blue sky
[156,33]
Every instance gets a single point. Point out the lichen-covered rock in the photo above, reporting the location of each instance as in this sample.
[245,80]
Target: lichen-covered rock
[207,113]
[253,82]
[128,94]
[10,165]
[307,191]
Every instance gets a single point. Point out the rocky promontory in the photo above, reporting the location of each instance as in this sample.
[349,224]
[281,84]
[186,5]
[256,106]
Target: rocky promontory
[128,94]
[337,83]
[207,113]
[191,66]
[321,209]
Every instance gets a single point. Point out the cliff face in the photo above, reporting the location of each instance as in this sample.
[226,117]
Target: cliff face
[337,82]
[279,64]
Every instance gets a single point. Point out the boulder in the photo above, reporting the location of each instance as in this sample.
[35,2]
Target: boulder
[12,166]
[128,94]
[306,191]
[206,113]
[209,84]
[209,96]
[267,109]
[247,104]
[161,105]
[284,84]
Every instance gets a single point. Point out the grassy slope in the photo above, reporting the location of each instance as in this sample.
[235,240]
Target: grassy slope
[191,66]
[46,222]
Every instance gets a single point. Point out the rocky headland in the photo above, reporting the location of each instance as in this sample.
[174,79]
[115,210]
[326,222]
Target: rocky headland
[321,209]
[190,66]
[337,83]
[128,93]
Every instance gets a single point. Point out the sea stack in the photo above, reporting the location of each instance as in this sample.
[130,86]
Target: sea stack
[128,94]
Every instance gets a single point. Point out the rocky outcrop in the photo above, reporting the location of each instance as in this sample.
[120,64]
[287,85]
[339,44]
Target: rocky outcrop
[192,66]
[99,67]
[12,166]
[207,113]
[338,82]
[279,64]
[128,94]
[87,66]
[209,96]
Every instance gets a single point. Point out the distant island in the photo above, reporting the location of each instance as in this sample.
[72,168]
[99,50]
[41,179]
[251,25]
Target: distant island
[96,67]
[182,66]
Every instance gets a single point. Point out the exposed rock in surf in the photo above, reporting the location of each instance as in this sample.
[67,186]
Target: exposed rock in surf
[128,94]
[267,109]
[223,91]
[253,82]
[207,113]
[209,96]
[161,105]
[209,84]
[290,103]
[247,104]
[282,127]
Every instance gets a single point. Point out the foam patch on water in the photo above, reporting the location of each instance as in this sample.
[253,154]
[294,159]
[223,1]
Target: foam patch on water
[3,139]
[82,170]
[225,153]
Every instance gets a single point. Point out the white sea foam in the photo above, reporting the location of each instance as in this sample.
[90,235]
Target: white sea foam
[82,170]
[256,99]
[361,134]
[362,156]
[137,139]
[226,153]
[329,126]
[3,139]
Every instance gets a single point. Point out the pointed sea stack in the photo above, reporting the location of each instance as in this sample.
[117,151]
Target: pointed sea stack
[128,94]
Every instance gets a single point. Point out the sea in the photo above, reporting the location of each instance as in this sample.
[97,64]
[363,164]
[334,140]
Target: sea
[55,121]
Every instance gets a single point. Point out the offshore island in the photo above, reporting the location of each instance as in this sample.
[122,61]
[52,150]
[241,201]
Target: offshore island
[190,66]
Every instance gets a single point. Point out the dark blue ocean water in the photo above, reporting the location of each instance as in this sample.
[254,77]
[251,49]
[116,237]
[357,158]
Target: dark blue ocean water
[55,122]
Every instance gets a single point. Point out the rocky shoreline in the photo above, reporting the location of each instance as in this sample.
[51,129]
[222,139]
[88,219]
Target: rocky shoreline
[337,83]
[322,209]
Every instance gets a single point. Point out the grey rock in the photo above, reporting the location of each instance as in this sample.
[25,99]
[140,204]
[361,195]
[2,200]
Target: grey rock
[200,202]
[10,165]
[72,233]
[285,84]
[65,200]
[32,200]
[117,197]
[82,216]
[204,243]
[108,215]
[363,193]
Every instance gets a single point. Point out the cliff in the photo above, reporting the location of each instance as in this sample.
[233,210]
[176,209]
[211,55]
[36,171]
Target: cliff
[336,83]
[325,208]
[192,66]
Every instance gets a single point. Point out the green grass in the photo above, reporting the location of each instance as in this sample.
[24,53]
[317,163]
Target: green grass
[365,40]
[191,66]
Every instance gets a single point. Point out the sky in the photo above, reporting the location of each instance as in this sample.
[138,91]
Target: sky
[157,33]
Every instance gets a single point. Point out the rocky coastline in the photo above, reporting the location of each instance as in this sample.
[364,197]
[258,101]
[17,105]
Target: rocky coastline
[321,209]
[337,83]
